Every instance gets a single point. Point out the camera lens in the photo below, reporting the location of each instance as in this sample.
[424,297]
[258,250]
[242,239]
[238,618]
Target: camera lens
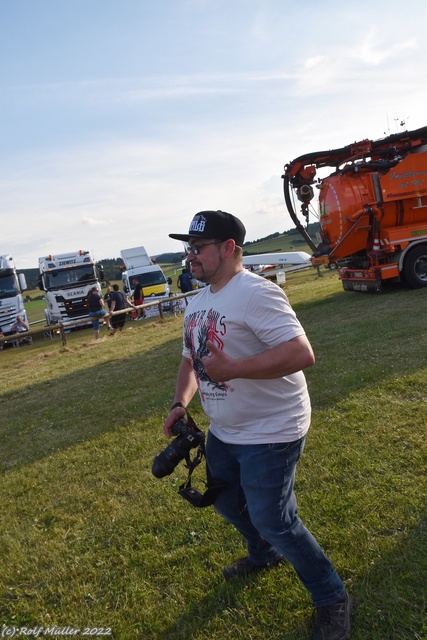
[186,439]
[165,462]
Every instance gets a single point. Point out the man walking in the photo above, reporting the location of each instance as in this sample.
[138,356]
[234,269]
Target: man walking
[244,351]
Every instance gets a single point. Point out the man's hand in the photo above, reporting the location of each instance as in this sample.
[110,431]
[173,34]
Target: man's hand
[218,365]
[174,416]
[186,387]
[287,358]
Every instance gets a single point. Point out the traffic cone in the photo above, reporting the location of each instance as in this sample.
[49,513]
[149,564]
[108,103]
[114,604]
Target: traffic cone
[376,246]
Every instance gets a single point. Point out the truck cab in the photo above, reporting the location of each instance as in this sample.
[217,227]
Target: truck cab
[139,266]
[66,279]
[12,285]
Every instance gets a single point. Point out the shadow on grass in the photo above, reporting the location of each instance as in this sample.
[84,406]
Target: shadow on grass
[223,601]
[43,418]
[362,340]
[399,576]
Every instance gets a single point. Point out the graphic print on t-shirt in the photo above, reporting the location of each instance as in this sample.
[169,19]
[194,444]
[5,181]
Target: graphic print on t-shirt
[200,327]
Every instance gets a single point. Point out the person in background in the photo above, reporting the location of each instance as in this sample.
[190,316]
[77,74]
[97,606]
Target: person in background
[119,302]
[184,283]
[19,327]
[244,351]
[107,299]
[96,308]
[138,298]
[107,295]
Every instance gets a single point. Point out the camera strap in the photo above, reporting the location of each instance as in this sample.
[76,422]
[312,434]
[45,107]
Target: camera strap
[214,487]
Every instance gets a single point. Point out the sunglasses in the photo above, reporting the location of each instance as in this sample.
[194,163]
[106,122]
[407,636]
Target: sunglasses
[195,249]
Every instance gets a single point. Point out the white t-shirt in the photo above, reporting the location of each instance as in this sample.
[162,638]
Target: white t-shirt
[244,318]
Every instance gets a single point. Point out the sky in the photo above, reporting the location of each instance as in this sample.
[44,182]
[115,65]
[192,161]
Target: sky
[121,119]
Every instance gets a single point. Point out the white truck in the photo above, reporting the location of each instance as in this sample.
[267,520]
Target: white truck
[66,279]
[11,287]
[139,265]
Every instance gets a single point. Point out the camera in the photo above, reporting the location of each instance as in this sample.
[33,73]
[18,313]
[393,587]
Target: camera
[186,439]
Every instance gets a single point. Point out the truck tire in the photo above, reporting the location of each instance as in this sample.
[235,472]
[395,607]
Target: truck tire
[415,267]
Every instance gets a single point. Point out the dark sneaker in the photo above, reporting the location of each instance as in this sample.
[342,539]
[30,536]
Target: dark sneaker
[333,621]
[244,567]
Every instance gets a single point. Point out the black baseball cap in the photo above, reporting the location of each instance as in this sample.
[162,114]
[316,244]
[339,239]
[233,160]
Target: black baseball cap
[218,225]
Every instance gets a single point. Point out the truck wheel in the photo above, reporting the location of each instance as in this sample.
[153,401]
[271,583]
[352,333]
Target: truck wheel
[415,267]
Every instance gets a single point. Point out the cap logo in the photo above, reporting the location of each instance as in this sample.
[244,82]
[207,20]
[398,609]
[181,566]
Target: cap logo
[198,224]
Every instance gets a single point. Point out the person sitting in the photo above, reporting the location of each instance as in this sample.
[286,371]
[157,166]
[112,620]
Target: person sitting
[96,309]
[20,326]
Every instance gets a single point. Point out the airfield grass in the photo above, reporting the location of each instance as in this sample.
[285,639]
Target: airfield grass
[89,538]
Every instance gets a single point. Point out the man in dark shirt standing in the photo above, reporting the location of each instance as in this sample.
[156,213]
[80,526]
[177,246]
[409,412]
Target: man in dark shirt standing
[119,302]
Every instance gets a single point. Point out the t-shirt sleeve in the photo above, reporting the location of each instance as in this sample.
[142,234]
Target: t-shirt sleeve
[270,316]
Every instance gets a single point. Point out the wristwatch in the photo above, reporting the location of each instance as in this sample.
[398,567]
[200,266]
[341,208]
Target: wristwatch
[177,404]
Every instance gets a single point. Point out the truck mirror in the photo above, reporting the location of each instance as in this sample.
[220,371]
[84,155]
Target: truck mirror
[22,281]
[169,280]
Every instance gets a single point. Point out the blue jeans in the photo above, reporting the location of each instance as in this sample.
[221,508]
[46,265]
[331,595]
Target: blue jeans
[260,502]
[95,317]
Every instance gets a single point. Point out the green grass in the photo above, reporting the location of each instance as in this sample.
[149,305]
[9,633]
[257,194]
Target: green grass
[88,537]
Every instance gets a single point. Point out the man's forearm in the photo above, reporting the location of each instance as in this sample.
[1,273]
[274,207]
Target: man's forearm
[283,360]
[186,384]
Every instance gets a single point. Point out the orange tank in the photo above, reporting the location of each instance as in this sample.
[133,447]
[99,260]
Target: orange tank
[372,209]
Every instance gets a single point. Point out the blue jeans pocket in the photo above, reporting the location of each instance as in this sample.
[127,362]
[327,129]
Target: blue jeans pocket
[292,450]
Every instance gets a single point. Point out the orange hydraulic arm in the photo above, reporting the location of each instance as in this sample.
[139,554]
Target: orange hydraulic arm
[366,155]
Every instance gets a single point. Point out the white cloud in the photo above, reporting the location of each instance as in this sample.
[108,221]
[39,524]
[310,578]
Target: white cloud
[96,222]
[315,62]
[375,49]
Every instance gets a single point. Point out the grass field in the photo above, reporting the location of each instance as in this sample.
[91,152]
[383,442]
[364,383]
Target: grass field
[89,538]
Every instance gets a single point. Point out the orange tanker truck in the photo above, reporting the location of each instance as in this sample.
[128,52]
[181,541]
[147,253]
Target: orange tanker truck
[372,209]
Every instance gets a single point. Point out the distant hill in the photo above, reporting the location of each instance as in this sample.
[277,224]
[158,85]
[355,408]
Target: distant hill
[168,258]
[287,241]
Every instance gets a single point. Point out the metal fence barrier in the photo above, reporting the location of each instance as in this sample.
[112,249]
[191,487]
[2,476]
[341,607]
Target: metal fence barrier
[64,327]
